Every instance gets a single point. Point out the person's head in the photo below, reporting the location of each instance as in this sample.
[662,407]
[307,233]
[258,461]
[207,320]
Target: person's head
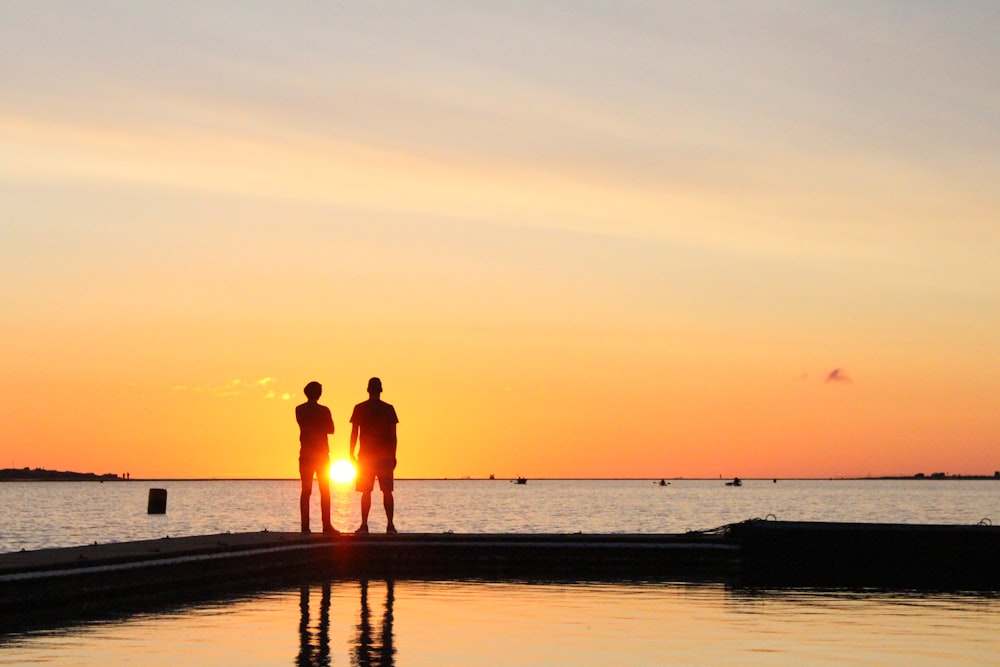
[374,386]
[313,391]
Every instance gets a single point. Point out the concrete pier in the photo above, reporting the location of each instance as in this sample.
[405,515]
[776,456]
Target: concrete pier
[92,578]
[856,555]
[80,582]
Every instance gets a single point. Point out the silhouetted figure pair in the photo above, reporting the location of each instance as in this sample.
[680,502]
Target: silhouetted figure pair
[373,432]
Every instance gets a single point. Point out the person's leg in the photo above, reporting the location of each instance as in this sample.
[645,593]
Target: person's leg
[324,506]
[389,505]
[306,475]
[323,477]
[386,483]
[366,506]
[364,483]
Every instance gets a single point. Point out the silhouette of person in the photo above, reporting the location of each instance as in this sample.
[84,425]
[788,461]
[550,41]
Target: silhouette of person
[375,650]
[315,424]
[314,652]
[373,425]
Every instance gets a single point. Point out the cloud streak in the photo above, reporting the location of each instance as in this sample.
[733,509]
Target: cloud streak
[838,375]
[262,388]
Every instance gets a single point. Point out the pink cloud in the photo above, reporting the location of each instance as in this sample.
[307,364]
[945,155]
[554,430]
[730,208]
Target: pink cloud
[837,375]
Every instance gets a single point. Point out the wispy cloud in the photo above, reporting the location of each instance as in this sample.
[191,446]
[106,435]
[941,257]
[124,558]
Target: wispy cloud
[838,375]
[262,388]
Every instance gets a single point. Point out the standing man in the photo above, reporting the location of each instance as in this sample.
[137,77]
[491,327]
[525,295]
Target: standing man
[315,424]
[375,421]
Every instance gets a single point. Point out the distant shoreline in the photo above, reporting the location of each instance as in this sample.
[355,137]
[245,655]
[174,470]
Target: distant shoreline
[42,475]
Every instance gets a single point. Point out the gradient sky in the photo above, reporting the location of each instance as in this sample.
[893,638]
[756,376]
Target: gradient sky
[574,239]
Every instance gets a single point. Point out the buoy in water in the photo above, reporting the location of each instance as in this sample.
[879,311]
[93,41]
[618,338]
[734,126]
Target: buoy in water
[157,503]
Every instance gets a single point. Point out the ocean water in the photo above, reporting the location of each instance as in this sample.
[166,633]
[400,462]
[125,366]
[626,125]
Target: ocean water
[407,623]
[36,515]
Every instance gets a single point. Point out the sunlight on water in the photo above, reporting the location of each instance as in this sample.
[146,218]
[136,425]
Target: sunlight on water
[457,623]
[453,623]
[40,514]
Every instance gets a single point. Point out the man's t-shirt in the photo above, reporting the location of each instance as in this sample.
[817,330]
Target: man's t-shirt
[376,422]
[315,423]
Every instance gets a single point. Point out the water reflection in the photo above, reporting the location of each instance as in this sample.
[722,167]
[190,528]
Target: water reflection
[373,645]
[375,649]
[314,644]
[515,623]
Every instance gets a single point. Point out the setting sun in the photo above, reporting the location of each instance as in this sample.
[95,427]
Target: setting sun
[342,471]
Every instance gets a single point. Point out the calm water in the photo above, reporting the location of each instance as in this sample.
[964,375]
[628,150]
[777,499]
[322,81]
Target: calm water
[447,623]
[50,514]
[409,623]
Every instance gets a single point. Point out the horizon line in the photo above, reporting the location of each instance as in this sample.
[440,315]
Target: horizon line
[915,476]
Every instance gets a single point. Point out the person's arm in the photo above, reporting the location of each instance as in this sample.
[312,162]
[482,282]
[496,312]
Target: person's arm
[393,440]
[329,422]
[354,441]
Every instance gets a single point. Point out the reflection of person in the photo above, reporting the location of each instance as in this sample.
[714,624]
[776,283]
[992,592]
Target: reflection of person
[373,423]
[375,651]
[315,424]
[314,652]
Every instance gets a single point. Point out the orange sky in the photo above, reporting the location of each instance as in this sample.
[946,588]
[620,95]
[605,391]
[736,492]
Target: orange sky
[582,240]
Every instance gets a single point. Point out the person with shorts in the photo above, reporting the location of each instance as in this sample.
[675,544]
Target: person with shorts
[315,425]
[373,427]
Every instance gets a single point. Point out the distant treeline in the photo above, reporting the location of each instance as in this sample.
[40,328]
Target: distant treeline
[941,475]
[42,475]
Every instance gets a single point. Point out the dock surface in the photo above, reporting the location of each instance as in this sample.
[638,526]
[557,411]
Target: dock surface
[90,579]
[101,576]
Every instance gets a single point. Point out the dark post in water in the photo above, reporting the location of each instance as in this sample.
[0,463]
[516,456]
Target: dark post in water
[157,503]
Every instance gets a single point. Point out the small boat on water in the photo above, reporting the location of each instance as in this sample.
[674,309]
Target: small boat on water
[521,480]
[736,482]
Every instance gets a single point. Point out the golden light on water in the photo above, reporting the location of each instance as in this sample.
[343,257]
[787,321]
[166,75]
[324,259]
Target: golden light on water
[342,471]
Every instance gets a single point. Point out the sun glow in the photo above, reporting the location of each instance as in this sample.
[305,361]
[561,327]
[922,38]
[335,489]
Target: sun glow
[342,471]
